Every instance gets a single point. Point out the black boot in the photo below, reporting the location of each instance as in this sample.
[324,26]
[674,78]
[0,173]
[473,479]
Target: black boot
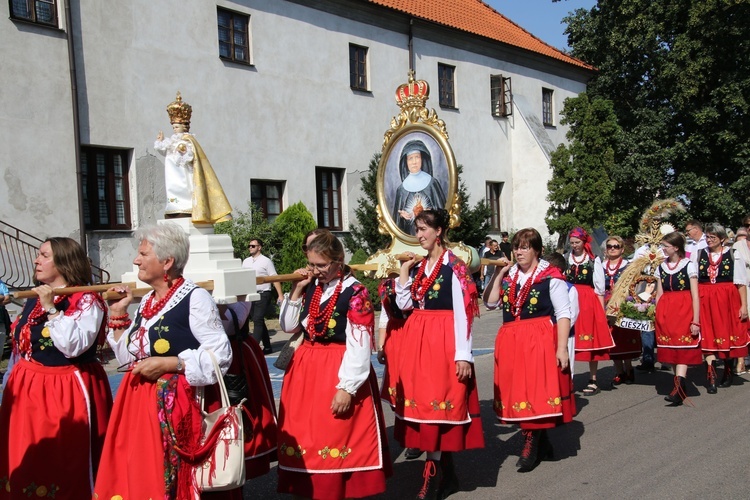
[546,452]
[449,482]
[728,375]
[429,489]
[710,377]
[530,454]
[677,396]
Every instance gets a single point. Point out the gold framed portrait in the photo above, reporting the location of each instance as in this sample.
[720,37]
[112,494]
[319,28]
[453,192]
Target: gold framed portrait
[417,172]
[643,289]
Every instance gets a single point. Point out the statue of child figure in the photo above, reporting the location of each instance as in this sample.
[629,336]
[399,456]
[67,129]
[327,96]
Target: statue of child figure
[193,190]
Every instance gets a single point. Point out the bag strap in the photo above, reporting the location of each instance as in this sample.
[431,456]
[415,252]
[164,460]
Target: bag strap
[220,382]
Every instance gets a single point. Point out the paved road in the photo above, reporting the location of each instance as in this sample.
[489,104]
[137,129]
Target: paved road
[624,443]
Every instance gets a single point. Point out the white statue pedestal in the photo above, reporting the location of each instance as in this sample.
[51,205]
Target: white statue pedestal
[211,258]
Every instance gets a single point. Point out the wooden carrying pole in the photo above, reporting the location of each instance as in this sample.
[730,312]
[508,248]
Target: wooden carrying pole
[209,285]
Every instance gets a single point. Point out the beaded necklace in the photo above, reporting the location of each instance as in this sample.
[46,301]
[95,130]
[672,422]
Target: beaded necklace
[317,317]
[517,301]
[578,263]
[420,286]
[611,273]
[713,267]
[33,319]
[152,307]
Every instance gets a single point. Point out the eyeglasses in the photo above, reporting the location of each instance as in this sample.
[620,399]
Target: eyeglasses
[318,267]
[253,246]
[616,247]
[522,249]
[712,237]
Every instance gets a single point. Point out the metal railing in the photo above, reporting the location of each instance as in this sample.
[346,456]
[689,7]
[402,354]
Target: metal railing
[18,249]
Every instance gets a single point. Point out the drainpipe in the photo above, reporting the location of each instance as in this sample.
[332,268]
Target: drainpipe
[411,43]
[76,131]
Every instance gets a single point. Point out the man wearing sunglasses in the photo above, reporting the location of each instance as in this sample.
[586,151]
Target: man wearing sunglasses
[262,266]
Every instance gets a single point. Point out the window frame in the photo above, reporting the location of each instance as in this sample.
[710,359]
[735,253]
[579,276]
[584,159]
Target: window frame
[262,203]
[354,66]
[33,18]
[548,107]
[493,191]
[231,43]
[501,96]
[447,86]
[89,178]
[330,195]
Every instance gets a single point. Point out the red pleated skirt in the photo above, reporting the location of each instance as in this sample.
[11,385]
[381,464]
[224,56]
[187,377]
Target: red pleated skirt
[434,411]
[530,389]
[322,456]
[593,336]
[52,426]
[132,465]
[391,348]
[627,343]
[722,332]
[259,410]
[676,346]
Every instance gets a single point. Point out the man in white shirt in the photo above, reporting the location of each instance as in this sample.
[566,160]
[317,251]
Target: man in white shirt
[262,266]
[697,241]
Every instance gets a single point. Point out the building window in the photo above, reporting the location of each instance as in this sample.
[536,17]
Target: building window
[501,96]
[547,107]
[36,11]
[328,184]
[104,178]
[493,201]
[447,85]
[234,42]
[357,67]
[267,195]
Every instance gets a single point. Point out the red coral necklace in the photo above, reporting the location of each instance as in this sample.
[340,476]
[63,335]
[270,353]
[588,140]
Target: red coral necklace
[517,301]
[420,285]
[33,319]
[152,307]
[317,317]
[612,272]
[713,267]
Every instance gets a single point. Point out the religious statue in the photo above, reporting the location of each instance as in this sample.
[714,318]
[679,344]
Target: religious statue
[193,190]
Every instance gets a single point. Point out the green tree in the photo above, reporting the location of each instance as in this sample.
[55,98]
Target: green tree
[290,228]
[580,191]
[678,75]
[365,235]
[247,226]
[475,221]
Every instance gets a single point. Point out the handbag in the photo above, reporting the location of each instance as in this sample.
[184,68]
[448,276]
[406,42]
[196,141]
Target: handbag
[236,383]
[223,467]
[286,353]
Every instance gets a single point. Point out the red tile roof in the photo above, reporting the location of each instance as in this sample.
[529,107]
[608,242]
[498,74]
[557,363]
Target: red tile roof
[474,16]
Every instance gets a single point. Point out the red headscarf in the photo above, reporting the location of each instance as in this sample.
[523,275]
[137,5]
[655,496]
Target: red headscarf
[582,235]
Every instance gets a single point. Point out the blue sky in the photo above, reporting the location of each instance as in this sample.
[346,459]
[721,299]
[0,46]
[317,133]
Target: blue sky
[542,18]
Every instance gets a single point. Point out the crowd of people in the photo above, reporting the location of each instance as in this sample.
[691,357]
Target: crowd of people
[330,436]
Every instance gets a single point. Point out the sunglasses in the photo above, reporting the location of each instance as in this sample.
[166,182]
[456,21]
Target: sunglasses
[617,247]
[253,246]
[127,367]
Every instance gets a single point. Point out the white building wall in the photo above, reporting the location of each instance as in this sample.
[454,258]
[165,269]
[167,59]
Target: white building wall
[289,112]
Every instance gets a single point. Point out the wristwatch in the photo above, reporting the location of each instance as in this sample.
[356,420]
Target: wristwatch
[180,364]
[52,311]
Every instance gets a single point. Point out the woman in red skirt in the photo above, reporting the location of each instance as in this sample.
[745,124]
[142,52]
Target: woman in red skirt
[627,342]
[533,386]
[723,305]
[593,337]
[677,313]
[437,404]
[332,441]
[156,418]
[57,401]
